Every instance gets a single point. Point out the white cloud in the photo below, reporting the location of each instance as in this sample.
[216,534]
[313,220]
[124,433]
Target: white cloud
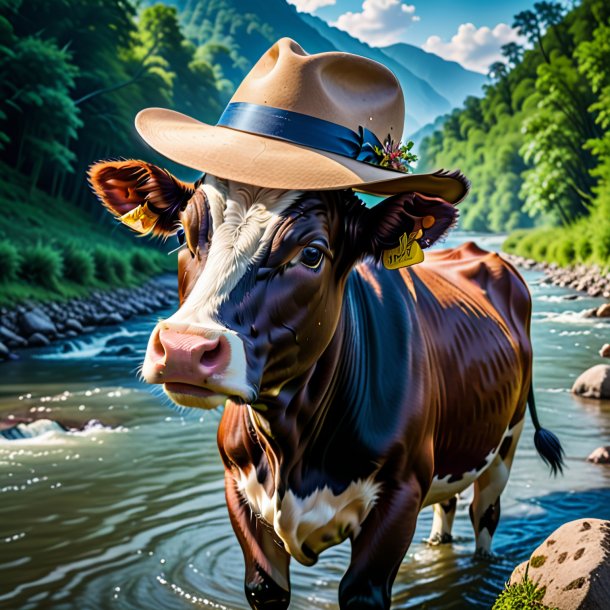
[380,23]
[310,6]
[476,49]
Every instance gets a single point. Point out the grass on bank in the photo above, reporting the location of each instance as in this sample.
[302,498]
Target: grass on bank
[565,246]
[526,595]
[51,250]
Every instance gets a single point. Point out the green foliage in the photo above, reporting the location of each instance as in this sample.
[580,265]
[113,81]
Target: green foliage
[79,266]
[537,146]
[110,266]
[142,263]
[41,265]
[525,595]
[9,262]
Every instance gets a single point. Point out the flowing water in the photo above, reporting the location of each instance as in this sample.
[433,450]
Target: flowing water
[129,513]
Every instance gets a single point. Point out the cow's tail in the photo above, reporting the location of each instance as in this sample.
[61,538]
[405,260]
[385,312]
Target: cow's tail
[547,444]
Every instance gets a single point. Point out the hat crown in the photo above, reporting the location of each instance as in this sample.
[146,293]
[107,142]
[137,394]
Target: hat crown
[342,88]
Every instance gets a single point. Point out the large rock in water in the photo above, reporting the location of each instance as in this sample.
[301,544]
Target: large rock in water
[573,564]
[594,382]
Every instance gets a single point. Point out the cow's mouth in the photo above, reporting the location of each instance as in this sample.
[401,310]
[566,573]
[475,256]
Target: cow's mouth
[189,395]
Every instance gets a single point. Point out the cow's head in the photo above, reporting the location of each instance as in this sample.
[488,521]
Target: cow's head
[261,276]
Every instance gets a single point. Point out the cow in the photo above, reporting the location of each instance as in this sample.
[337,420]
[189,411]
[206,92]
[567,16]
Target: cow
[353,395]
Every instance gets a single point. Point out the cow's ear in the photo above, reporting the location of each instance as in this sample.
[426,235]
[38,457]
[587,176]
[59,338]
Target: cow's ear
[141,195]
[407,216]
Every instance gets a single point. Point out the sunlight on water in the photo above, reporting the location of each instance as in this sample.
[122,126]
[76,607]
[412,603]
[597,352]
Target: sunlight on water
[125,509]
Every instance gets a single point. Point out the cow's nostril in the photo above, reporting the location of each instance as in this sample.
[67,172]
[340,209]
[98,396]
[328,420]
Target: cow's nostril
[211,356]
[156,349]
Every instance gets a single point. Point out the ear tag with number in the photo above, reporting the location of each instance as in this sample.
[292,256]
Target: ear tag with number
[140,219]
[407,253]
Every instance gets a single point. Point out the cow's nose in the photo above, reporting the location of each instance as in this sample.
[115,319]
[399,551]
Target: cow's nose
[176,356]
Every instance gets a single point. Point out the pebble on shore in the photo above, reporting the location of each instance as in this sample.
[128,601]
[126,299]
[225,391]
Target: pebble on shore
[38,324]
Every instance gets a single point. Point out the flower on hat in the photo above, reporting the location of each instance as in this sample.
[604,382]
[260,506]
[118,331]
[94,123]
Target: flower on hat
[395,155]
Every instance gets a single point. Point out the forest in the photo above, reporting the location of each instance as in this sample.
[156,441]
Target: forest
[73,74]
[537,144]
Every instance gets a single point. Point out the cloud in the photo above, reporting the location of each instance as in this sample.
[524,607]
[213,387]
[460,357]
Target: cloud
[380,23]
[476,49]
[310,6]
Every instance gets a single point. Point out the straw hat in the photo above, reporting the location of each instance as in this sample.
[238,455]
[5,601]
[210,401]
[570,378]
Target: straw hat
[305,122]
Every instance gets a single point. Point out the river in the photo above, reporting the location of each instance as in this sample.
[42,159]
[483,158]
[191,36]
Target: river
[130,514]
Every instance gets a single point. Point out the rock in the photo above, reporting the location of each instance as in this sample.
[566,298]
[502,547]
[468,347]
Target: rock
[604,352]
[113,318]
[570,297]
[603,311]
[10,338]
[600,456]
[573,565]
[594,382]
[36,322]
[72,324]
[38,340]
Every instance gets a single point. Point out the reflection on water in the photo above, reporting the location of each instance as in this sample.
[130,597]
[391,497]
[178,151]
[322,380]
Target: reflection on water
[130,513]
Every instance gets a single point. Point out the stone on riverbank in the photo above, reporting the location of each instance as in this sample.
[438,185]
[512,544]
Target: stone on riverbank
[38,340]
[36,321]
[594,382]
[600,456]
[603,311]
[573,564]
[10,338]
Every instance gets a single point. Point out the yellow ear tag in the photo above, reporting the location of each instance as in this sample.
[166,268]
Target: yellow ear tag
[140,219]
[407,253]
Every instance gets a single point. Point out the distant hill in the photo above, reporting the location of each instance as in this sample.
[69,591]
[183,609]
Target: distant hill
[423,103]
[245,30]
[448,78]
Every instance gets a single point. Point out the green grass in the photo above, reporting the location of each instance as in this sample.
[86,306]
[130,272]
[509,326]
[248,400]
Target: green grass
[525,595]
[51,250]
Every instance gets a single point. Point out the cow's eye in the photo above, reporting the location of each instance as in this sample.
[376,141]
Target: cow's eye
[311,257]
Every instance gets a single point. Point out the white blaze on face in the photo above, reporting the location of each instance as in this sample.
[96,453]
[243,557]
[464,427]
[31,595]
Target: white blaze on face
[243,219]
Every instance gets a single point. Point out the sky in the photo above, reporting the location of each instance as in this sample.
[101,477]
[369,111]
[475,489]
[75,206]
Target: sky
[470,32]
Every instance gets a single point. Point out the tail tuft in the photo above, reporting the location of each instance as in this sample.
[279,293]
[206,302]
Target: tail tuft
[550,450]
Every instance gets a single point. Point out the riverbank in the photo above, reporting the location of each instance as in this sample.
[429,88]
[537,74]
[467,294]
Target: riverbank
[584,278]
[36,324]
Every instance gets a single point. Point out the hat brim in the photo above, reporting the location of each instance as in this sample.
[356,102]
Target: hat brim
[272,163]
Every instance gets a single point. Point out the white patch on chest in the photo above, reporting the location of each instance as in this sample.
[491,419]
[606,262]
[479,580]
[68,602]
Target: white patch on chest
[442,489]
[318,521]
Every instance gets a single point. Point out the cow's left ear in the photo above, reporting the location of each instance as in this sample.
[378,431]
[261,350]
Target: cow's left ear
[141,195]
[407,216]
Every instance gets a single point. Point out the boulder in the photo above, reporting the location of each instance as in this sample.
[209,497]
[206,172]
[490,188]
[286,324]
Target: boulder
[38,340]
[594,382]
[72,324]
[573,565]
[604,352]
[36,321]
[10,338]
[600,456]
[603,311]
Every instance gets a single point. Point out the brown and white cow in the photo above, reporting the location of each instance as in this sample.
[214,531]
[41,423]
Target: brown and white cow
[353,395]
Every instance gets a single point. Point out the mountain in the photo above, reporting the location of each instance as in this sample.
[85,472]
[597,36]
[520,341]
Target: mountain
[448,78]
[235,33]
[423,103]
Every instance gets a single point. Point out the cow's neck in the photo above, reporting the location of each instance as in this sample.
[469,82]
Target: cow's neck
[335,421]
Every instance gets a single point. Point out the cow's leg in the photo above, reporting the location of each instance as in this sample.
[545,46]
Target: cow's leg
[442,521]
[266,583]
[485,507]
[379,547]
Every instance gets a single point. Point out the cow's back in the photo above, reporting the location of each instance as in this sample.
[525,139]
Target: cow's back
[474,310]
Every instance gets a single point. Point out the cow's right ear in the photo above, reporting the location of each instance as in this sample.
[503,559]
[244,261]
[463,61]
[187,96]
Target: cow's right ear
[143,196]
